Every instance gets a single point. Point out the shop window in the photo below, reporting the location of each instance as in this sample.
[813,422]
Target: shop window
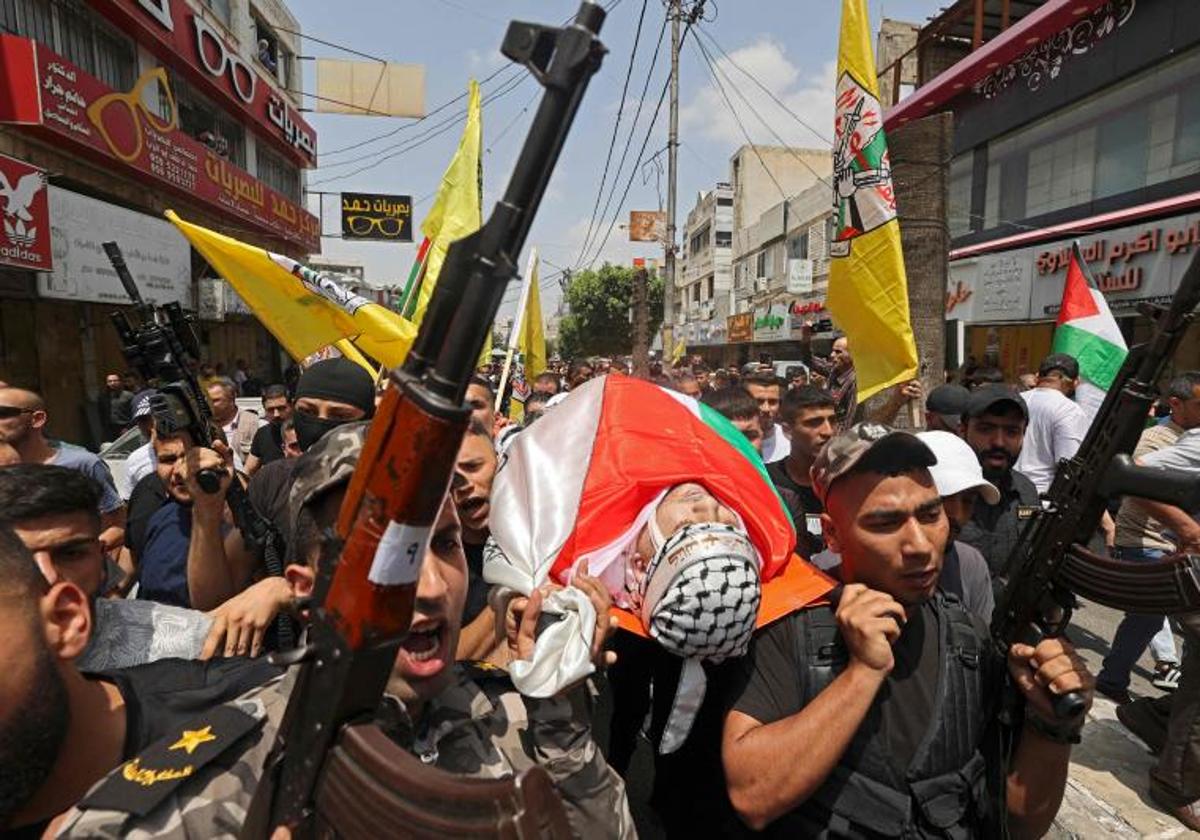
[798,246]
[200,119]
[278,173]
[77,33]
[1121,151]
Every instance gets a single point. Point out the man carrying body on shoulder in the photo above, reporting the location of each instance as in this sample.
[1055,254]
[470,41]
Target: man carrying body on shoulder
[459,717]
[62,731]
[861,720]
[23,420]
[809,420]
[267,445]
[1057,425]
[995,429]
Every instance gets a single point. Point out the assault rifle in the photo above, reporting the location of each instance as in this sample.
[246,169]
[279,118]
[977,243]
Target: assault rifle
[1050,564]
[162,347]
[366,578]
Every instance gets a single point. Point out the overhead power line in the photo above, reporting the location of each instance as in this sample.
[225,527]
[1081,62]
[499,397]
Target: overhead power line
[612,143]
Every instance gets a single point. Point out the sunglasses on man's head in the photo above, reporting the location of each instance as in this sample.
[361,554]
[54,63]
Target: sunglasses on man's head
[10,411]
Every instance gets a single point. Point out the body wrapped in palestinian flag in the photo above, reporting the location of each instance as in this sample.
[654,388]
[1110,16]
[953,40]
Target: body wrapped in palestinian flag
[575,488]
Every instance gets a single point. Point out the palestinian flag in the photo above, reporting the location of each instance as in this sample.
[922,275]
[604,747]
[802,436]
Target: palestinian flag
[575,485]
[1087,330]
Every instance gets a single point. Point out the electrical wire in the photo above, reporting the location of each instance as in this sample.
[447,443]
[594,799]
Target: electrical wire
[612,143]
[764,88]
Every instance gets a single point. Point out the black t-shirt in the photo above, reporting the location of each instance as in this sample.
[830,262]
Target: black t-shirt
[477,587]
[267,445]
[268,491]
[803,505]
[147,497]
[162,696]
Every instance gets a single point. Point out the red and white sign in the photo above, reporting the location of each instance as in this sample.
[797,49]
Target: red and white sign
[24,216]
[42,89]
[174,31]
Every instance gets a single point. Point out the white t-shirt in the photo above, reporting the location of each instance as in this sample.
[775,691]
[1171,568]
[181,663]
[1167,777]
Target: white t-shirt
[1056,428]
[776,446]
[140,463]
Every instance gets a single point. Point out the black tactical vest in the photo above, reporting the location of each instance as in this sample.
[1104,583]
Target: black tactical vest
[954,785]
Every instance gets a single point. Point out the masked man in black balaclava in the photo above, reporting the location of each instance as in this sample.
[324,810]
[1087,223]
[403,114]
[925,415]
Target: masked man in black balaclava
[330,393]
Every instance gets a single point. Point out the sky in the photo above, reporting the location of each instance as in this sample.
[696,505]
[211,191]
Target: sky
[789,46]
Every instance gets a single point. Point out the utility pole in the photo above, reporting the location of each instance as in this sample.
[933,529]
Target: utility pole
[675,10]
[641,325]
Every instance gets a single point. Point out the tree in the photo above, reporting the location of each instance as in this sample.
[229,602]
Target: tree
[599,301]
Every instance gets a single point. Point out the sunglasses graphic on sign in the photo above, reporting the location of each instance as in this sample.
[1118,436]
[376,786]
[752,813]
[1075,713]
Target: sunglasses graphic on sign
[118,116]
[241,76]
[363,225]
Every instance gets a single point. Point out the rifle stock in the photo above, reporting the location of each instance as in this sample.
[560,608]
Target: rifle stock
[367,574]
[1049,562]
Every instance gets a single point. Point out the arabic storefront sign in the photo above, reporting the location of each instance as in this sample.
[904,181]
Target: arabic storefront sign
[799,276]
[772,323]
[372,216]
[158,257]
[52,93]
[1131,265]
[740,327]
[24,216]
[174,31]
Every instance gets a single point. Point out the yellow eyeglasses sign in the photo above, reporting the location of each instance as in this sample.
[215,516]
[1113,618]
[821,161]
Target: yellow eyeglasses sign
[373,216]
[118,116]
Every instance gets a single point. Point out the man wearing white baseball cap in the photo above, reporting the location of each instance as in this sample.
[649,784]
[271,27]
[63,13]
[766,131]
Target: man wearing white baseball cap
[959,480]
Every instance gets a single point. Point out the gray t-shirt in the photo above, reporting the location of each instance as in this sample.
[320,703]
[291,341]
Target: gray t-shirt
[128,632]
[77,458]
[1183,454]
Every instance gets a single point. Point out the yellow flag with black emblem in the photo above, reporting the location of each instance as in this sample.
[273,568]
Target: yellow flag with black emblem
[868,289]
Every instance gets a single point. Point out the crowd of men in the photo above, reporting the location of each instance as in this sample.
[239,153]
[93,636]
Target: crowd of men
[881,710]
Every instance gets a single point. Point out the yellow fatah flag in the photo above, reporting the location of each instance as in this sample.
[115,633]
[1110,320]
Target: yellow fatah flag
[532,340]
[679,351]
[868,291]
[457,211]
[305,310]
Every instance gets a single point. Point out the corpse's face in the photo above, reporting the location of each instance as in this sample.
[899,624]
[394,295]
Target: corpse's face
[891,532]
[684,504]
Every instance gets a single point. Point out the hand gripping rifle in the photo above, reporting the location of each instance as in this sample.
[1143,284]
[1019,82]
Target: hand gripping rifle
[161,349]
[1049,564]
[363,597]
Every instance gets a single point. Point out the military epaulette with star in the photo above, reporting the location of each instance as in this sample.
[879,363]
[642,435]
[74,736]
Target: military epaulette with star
[140,784]
[482,672]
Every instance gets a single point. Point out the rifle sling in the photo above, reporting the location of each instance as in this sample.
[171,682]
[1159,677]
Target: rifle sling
[1167,586]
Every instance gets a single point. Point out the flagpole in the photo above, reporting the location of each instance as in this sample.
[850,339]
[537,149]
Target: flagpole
[514,335]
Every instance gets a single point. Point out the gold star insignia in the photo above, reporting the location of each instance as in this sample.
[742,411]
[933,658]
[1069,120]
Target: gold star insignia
[192,738]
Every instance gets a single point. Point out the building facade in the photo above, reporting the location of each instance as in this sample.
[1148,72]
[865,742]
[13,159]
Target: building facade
[1073,121]
[112,111]
[704,274]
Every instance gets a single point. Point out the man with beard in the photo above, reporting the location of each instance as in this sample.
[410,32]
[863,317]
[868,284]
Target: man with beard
[995,429]
[62,731]
[267,445]
[330,393]
[471,490]
[891,693]
[461,717]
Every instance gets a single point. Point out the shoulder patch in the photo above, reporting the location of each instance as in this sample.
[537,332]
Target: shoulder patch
[140,784]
